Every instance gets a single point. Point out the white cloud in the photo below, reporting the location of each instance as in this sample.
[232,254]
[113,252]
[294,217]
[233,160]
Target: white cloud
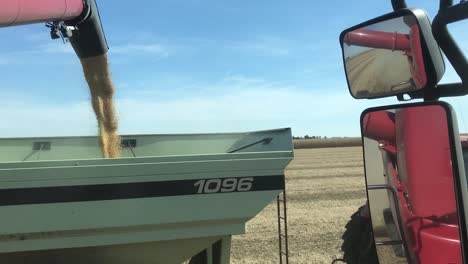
[266,46]
[252,104]
[45,54]
[136,49]
[56,46]
[295,47]
[3,61]
[29,118]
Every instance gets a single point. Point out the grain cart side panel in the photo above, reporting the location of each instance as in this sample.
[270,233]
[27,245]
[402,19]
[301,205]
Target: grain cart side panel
[167,198]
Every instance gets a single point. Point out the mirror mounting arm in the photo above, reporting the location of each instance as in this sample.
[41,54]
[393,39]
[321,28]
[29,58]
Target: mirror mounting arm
[451,89]
[446,15]
[445,3]
[412,95]
[399,4]
[434,94]
[431,95]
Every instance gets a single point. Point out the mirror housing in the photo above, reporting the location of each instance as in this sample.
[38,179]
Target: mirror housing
[415,180]
[391,55]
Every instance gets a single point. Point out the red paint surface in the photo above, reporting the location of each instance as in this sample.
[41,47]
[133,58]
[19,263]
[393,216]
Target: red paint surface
[378,39]
[416,59]
[17,12]
[435,241]
[409,44]
[423,180]
[425,169]
[424,160]
[379,126]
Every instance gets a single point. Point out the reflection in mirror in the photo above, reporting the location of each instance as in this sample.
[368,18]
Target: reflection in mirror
[410,185]
[385,58]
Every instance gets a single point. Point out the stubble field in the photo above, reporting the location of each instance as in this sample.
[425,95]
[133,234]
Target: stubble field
[324,187]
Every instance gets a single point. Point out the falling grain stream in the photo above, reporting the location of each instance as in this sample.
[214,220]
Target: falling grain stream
[97,74]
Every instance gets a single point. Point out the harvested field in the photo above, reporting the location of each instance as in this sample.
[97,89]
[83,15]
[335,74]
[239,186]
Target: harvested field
[363,68]
[324,186]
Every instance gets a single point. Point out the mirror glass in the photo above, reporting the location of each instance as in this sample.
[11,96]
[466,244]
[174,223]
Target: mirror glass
[384,58]
[411,186]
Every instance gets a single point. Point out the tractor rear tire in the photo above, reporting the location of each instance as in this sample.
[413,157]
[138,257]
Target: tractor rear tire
[200,258]
[358,240]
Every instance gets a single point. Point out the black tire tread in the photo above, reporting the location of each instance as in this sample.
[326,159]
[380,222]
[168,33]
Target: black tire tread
[358,241]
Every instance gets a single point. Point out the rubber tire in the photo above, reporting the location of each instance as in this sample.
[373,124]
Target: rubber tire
[358,241]
[200,258]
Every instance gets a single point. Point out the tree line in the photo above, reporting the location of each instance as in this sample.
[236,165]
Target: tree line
[309,137]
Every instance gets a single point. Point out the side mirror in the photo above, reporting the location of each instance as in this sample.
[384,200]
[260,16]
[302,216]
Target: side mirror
[391,55]
[415,182]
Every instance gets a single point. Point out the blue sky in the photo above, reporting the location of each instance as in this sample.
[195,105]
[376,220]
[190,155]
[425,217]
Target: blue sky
[189,66]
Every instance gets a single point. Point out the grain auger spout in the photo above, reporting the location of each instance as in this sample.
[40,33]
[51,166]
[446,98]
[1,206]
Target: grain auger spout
[78,22]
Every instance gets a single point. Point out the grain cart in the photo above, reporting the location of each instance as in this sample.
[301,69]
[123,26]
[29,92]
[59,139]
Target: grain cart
[166,199]
[415,174]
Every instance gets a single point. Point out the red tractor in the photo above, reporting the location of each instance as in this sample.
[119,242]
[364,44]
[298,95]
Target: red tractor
[413,155]
[421,202]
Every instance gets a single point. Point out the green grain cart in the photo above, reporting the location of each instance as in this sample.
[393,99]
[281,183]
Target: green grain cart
[168,198]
